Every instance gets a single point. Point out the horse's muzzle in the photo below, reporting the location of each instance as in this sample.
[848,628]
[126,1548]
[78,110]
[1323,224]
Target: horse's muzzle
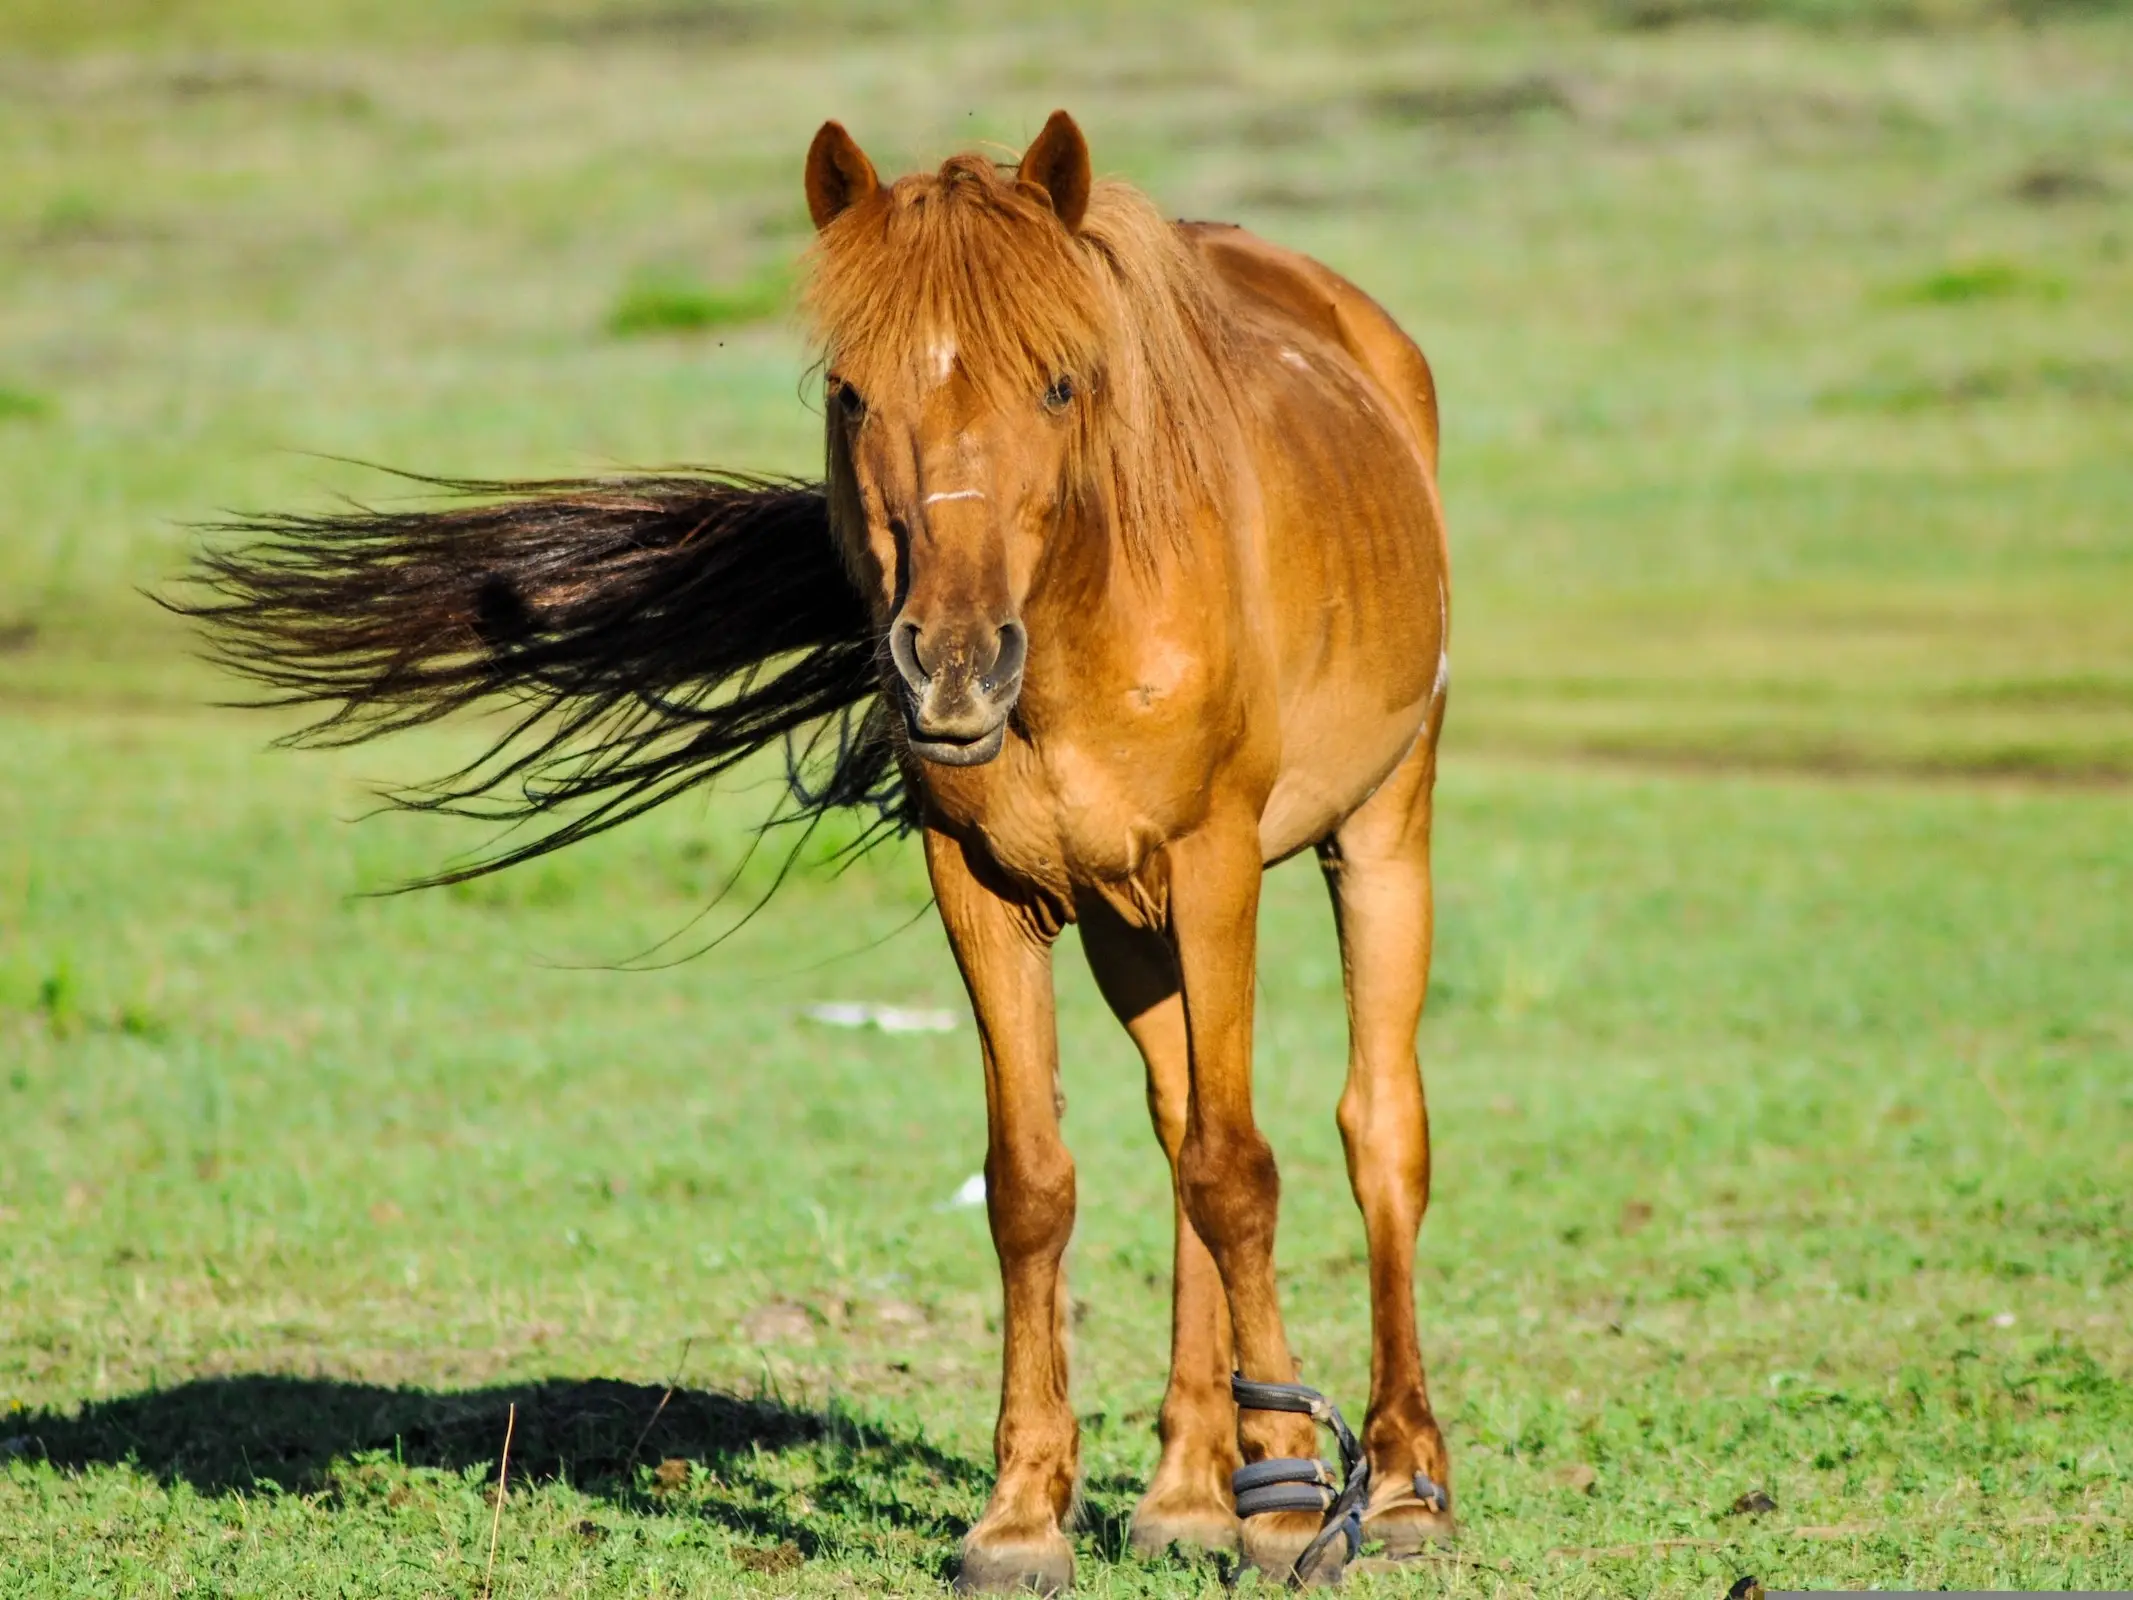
[955,699]
[956,752]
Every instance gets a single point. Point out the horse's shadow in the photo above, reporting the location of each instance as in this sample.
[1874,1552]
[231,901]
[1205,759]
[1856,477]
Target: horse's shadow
[606,1438]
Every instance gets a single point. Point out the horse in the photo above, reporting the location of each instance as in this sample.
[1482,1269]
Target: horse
[1126,578]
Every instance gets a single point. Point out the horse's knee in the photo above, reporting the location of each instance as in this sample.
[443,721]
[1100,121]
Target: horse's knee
[1382,1096]
[1385,1129]
[1030,1198]
[1230,1185]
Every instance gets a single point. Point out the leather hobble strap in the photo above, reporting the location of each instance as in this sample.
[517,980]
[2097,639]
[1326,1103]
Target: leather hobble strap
[1294,1483]
[1284,1483]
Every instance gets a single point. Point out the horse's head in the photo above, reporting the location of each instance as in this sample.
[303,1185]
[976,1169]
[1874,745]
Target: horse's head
[961,329]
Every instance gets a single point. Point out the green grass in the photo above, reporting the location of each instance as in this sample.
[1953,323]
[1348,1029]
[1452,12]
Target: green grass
[1780,1148]
[1979,280]
[1787,357]
[666,304]
[18,406]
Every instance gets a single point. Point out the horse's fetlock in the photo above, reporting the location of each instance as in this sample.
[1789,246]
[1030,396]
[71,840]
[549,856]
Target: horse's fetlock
[1397,1421]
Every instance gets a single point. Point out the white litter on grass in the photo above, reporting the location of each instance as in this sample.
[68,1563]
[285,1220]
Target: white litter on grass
[889,1019]
[972,1193]
[2006,1319]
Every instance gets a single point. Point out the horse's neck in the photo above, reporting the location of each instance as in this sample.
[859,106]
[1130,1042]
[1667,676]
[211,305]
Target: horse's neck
[1101,595]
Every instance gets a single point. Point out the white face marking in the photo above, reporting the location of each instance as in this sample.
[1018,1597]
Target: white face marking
[943,359]
[953,494]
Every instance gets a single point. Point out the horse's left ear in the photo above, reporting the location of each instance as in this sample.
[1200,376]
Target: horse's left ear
[1058,164]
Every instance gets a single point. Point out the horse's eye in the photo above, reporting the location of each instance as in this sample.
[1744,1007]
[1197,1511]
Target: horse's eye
[1060,395]
[851,401]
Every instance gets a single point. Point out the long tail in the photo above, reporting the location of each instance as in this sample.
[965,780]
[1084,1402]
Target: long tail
[646,633]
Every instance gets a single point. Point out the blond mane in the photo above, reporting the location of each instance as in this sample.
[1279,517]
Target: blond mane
[968,259]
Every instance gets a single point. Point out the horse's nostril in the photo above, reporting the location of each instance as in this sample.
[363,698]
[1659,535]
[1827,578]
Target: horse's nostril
[1010,649]
[903,650]
[956,662]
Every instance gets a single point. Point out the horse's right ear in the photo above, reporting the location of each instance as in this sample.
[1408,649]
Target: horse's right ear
[838,174]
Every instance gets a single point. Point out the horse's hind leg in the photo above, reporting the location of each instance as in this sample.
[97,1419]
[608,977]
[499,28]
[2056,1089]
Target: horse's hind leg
[1188,1501]
[1377,866]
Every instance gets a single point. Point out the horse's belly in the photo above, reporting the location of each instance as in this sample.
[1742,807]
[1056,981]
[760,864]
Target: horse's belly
[1354,597]
[1330,765]
[1359,669]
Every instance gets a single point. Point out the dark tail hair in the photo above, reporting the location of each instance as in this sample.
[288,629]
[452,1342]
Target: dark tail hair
[648,633]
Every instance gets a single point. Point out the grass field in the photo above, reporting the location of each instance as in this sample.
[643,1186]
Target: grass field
[1781,1046]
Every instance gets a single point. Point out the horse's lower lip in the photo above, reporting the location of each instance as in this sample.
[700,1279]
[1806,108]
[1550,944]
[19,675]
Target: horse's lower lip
[958,752]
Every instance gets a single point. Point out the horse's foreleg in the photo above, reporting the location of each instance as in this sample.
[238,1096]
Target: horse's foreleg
[1226,1173]
[1188,1501]
[1005,957]
[1377,867]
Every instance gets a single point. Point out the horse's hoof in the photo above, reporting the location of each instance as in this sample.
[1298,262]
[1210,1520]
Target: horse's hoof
[1195,1530]
[1274,1539]
[1405,1532]
[1408,1522]
[1043,1566]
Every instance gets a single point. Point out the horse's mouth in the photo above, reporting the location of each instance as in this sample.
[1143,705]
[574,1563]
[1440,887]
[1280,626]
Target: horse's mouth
[953,750]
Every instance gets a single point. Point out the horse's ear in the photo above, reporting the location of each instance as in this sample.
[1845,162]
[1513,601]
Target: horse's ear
[1058,163]
[838,174]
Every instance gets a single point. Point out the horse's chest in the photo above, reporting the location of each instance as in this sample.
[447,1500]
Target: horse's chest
[1069,817]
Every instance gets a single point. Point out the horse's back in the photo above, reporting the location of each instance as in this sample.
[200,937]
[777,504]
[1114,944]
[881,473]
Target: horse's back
[1346,576]
[1289,286]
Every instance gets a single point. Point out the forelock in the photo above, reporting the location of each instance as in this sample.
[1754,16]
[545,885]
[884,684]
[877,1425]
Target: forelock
[964,259]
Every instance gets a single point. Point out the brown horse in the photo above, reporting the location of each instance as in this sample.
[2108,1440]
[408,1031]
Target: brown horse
[1128,579]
